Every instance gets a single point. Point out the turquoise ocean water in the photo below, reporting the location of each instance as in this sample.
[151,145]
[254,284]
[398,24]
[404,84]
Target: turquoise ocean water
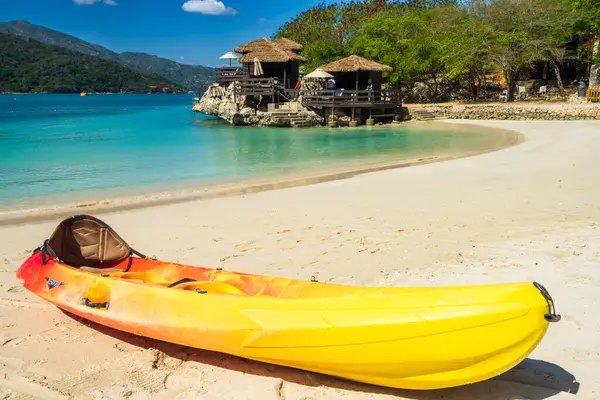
[67,148]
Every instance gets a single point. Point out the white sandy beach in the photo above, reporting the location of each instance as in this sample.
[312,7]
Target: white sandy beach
[526,213]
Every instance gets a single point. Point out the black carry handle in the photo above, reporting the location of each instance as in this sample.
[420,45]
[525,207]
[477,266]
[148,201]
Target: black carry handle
[551,316]
[181,282]
[46,250]
[137,253]
[86,302]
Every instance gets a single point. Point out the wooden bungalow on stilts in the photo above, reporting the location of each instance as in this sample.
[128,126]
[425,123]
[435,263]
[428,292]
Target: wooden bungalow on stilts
[358,90]
[270,76]
[269,68]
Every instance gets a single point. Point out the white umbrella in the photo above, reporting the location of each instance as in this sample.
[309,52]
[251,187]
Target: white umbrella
[258,69]
[229,56]
[318,74]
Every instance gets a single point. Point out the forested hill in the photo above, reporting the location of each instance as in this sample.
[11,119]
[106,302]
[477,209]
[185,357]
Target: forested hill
[29,66]
[191,77]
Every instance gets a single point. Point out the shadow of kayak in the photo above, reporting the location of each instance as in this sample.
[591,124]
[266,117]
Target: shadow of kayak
[530,380]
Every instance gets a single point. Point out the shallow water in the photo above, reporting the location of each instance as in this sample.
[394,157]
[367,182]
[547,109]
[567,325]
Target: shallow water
[69,148]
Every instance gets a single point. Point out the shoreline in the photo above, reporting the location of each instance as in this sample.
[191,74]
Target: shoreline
[247,186]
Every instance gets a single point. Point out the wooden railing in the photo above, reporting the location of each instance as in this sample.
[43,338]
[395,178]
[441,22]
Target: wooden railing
[593,94]
[256,87]
[351,99]
[228,75]
[252,86]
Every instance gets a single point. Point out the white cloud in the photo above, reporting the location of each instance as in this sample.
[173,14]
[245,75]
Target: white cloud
[208,7]
[90,2]
[262,20]
[182,58]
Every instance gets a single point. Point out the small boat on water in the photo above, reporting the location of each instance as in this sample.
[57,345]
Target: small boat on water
[83,94]
[412,338]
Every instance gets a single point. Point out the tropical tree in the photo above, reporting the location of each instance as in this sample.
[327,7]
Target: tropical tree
[407,41]
[524,32]
[326,30]
[448,46]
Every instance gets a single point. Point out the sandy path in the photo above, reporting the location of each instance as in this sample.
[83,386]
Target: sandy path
[530,212]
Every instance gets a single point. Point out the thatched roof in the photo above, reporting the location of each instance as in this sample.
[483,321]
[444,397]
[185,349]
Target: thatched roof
[250,46]
[288,44]
[283,44]
[266,50]
[270,52]
[355,63]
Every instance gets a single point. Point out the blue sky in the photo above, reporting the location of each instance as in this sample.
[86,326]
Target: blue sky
[188,31]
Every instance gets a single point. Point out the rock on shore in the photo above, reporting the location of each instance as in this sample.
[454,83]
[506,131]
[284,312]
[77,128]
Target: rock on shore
[511,112]
[221,102]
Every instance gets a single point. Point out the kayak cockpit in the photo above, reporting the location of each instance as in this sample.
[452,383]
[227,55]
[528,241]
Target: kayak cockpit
[190,284]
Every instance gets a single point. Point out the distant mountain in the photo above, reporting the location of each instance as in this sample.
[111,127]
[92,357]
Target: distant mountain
[48,36]
[192,77]
[29,66]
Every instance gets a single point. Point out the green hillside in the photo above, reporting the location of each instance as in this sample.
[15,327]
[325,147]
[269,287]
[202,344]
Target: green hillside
[192,77]
[29,66]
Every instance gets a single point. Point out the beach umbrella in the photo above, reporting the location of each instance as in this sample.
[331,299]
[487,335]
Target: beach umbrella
[258,69]
[318,74]
[229,56]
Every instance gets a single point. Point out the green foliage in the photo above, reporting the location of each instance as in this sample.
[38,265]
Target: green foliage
[319,53]
[525,32]
[29,66]
[332,27]
[450,47]
[587,25]
[405,40]
[190,76]
[588,13]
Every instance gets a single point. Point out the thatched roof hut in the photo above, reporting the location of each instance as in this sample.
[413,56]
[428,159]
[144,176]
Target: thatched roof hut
[357,72]
[279,58]
[270,51]
[248,47]
[271,54]
[282,44]
[355,64]
[288,44]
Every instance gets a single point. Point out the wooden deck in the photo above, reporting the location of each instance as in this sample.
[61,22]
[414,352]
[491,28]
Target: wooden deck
[351,99]
[247,85]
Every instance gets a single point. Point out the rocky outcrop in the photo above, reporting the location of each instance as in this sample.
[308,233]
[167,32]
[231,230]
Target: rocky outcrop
[509,112]
[221,102]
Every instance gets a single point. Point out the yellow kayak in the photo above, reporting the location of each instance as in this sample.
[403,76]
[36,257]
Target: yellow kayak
[412,338]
